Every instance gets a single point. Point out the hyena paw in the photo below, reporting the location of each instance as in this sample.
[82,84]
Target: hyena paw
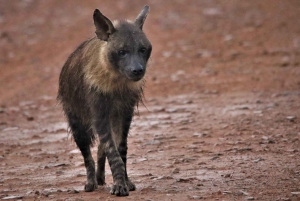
[130,185]
[119,190]
[89,187]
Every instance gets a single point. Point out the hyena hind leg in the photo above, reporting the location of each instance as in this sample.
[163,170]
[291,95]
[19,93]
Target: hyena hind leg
[101,157]
[83,138]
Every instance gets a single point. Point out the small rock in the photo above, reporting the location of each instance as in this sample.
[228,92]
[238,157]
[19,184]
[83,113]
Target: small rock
[215,157]
[195,197]
[166,54]
[188,160]
[28,193]
[212,11]
[72,191]
[295,193]
[30,118]
[205,53]
[244,149]
[187,101]
[12,197]
[141,159]
[199,134]
[249,198]
[184,180]
[171,110]
[285,61]
[228,175]
[60,164]
[257,112]
[228,37]
[243,192]
[10,129]
[60,172]
[153,142]
[257,160]
[46,193]
[291,118]
[163,178]
[175,171]
[177,161]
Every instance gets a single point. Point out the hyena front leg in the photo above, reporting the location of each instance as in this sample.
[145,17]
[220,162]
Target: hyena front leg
[127,118]
[101,157]
[83,138]
[123,153]
[117,166]
[103,128]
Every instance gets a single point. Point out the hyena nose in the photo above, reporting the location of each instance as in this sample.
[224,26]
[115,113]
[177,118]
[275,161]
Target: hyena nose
[138,71]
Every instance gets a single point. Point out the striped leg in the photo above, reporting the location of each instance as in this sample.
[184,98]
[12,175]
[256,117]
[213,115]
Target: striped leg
[103,128]
[123,153]
[83,137]
[117,166]
[123,145]
[101,164]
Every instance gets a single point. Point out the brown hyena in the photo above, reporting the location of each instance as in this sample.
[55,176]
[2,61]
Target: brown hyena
[99,86]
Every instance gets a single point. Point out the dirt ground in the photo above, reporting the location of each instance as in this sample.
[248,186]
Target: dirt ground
[222,112]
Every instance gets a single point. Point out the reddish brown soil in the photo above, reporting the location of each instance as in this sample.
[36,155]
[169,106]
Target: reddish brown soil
[222,97]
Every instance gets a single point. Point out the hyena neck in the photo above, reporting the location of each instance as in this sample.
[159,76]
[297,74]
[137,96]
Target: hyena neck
[99,74]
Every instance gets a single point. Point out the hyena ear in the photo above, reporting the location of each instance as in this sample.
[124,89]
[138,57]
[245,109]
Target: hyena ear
[139,21]
[104,26]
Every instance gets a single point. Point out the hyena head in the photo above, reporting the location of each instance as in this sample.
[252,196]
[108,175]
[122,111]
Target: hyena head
[128,48]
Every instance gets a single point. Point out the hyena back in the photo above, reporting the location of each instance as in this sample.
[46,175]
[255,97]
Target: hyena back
[99,86]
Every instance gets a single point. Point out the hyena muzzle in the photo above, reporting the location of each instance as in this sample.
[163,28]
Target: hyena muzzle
[100,85]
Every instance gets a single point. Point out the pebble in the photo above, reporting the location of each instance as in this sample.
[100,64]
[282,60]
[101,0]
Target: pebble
[196,197]
[257,160]
[212,11]
[72,191]
[12,197]
[291,118]
[249,198]
[163,178]
[184,179]
[10,129]
[46,193]
[243,192]
[285,61]
[141,159]
[175,171]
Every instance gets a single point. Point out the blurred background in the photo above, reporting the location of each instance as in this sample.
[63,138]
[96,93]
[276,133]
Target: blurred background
[203,46]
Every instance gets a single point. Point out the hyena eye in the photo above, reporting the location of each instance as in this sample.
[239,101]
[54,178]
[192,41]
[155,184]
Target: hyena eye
[122,53]
[143,50]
